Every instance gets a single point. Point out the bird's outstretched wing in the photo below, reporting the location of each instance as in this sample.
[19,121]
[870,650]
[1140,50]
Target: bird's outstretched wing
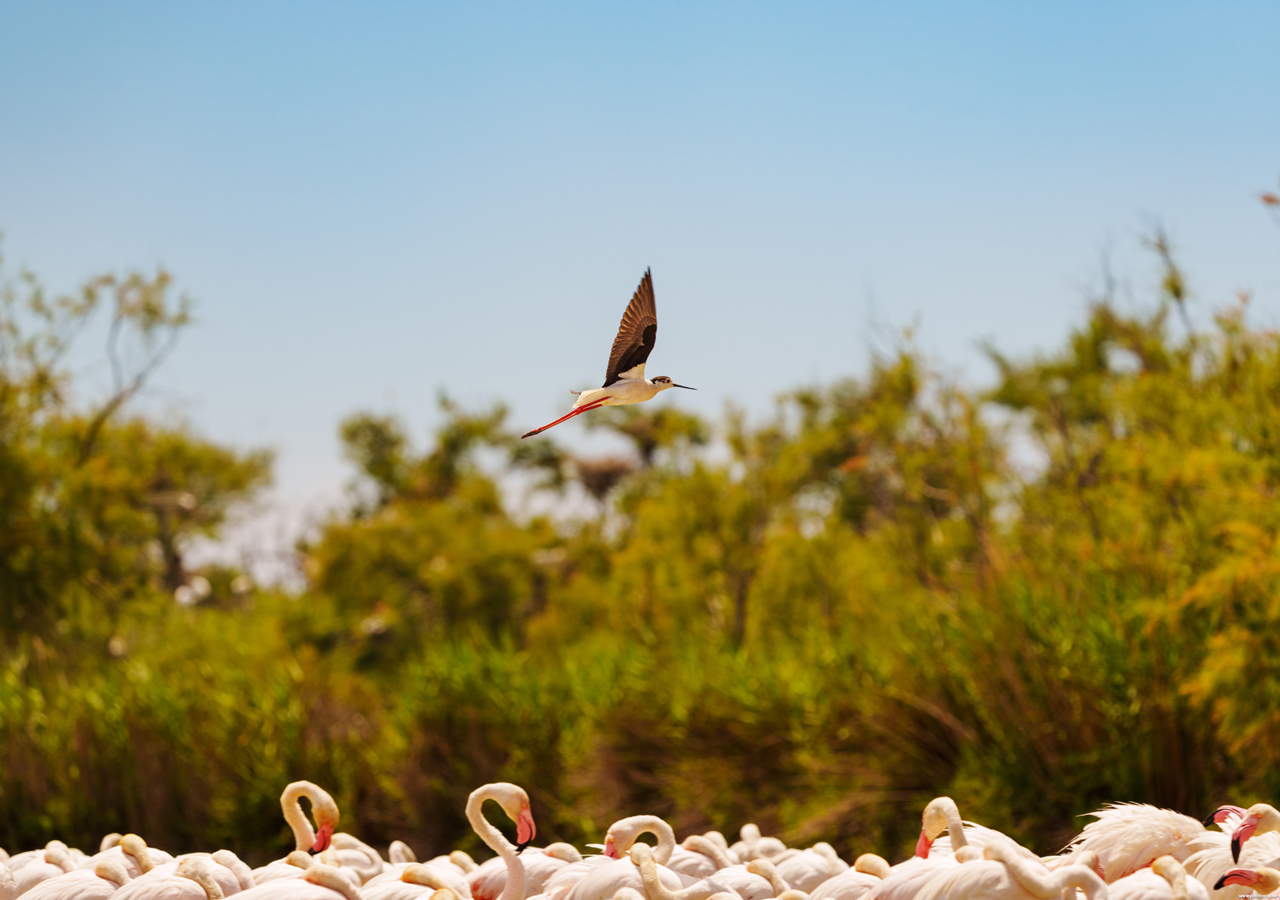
[636,334]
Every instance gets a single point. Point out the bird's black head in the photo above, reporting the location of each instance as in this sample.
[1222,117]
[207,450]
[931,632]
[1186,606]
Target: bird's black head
[664,381]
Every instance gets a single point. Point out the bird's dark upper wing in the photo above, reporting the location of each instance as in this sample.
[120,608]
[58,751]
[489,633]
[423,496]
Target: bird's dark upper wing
[636,334]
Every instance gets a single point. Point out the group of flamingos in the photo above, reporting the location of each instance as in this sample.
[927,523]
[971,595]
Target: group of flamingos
[1129,851]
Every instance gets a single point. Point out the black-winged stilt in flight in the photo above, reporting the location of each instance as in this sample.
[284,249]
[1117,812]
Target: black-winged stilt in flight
[625,381]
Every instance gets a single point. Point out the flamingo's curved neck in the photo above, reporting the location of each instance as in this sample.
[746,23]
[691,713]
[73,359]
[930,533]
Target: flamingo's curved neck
[498,843]
[708,847]
[632,827]
[303,834]
[1036,879]
[955,826]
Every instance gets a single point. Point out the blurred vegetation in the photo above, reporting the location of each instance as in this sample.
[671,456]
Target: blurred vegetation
[1038,598]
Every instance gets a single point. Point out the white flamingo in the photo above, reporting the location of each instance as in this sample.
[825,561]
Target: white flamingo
[319,882]
[1130,836]
[190,879]
[224,867]
[867,872]
[8,884]
[306,838]
[1261,818]
[605,878]
[941,814]
[1264,881]
[804,870]
[1005,873]
[133,853]
[1165,879]
[515,803]
[1212,857]
[699,856]
[752,846]
[655,888]
[358,856]
[905,879]
[417,881]
[619,839]
[52,862]
[540,865]
[97,883]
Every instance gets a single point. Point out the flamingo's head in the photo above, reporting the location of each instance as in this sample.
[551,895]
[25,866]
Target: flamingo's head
[1263,881]
[1259,818]
[1220,815]
[324,834]
[525,829]
[611,847]
[325,811]
[932,823]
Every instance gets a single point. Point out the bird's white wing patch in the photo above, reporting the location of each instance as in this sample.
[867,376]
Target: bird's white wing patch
[635,373]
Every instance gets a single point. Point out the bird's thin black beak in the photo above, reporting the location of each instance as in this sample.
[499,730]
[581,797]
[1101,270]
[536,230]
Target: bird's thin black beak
[685,386]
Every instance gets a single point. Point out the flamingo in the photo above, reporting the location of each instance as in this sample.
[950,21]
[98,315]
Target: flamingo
[619,839]
[1005,873]
[906,878]
[1166,879]
[655,888]
[8,885]
[54,861]
[319,882]
[515,803]
[540,864]
[942,814]
[97,883]
[700,856]
[416,882]
[804,870]
[306,839]
[358,856]
[224,867]
[867,872]
[133,852]
[1261,818]
[1263,882]
[190,879]
[753,845]
[1212,857]
[1131,836]
[603,879]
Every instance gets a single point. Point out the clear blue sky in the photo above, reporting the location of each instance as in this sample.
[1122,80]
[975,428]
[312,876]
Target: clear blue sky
[375,201]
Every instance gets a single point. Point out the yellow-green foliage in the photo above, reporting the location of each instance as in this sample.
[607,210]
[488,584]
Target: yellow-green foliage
[1040,598]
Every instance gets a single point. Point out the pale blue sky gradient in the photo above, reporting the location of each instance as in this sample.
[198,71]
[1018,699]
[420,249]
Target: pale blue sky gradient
[375,201]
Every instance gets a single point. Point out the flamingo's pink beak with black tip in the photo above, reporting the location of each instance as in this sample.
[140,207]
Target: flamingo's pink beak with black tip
[525,829]
[1221,814]
[923,845]
[1248,825]
[1237,876]
[611,849]
[323,837]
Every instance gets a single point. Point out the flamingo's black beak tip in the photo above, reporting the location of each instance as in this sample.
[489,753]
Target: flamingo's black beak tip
[520,848]
[1235,849]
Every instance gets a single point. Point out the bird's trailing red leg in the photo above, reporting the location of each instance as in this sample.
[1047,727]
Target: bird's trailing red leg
[577,412]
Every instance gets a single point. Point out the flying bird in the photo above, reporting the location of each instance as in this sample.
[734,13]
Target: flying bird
[625,382]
